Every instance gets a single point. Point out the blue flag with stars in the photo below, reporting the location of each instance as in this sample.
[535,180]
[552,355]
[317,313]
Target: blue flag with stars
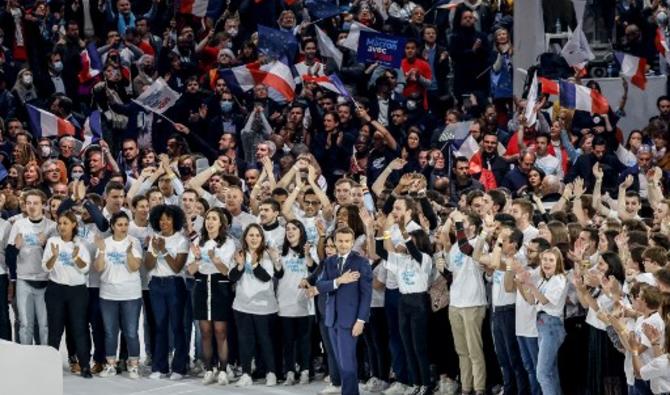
[277,44]
[321,9]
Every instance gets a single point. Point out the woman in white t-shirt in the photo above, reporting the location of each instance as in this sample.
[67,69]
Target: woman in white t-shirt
[605,365]
[67,261]
[118,261]
[297,261]
[209,262]
[549,293]
[165,261]
[255,303]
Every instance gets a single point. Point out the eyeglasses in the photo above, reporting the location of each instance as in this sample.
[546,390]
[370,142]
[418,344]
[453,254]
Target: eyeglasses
[311,202]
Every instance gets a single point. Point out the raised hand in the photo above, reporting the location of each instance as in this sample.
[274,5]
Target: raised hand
[597,171]
[627,182]
[239,258]
[18,241]
[100,243]
[578,187]
[653,334]
[55,250]
[75,252]
[397,164]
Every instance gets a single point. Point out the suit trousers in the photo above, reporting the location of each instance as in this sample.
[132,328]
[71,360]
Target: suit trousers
[344,345]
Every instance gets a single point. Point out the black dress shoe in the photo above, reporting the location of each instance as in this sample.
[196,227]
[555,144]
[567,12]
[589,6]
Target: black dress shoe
[86,373]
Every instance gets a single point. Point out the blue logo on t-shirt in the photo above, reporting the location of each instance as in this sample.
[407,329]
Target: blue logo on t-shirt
[65,258]
[31,239]
[408,277]
[116,258]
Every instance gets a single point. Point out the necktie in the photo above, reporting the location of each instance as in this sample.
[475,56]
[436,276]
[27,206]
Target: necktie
[340,264]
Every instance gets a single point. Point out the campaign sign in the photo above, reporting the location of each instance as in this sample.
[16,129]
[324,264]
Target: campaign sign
[380,48]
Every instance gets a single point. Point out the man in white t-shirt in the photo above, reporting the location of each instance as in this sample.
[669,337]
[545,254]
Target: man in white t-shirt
[522,211]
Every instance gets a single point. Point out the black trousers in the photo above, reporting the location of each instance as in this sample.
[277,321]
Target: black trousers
[377,344]
[252,330]
[413,319]
[5,325]
[296,342]
[442,352]
[69,304]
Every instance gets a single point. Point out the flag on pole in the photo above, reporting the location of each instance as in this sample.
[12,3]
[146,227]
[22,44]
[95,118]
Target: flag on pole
[577,52]
[277,44]
[46,124]
[158,97]
[582,98]
[531,101]
[91,65]
[276,76]
[202,8]
[327,48]
[351,42]
[331,82]
[549,87]
[92,129]
[662,45]
[633,67]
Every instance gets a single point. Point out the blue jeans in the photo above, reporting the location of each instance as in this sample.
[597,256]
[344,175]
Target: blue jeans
[515,377]
[551,334]
[168,295]
[529,349]
[126,315]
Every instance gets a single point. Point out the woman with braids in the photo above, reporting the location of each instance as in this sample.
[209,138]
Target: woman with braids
[209,262]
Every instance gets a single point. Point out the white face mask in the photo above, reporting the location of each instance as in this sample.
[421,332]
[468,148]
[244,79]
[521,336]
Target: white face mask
[232,31]
[27,79]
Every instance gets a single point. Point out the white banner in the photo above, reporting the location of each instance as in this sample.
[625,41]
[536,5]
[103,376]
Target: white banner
[158,97]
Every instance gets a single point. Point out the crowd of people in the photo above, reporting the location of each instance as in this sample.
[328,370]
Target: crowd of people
[342,238]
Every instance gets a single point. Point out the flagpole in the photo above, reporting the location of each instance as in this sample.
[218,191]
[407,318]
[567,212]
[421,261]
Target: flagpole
[173,123]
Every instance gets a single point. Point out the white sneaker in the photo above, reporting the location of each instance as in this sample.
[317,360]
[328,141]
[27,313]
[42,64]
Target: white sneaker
[411,390]
[108,371]
[396,388]
[448,386]
[290,378]
[197,369]
[244,381]
[304,377]
[331,390]
[134,371]
[230,373]
[271,380]
[210,377]
[176,376]
[156,375]
[377,385]
[364,387]
[222,379]
[326,379]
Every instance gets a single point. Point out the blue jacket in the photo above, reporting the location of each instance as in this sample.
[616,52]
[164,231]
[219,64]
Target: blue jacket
[349,302]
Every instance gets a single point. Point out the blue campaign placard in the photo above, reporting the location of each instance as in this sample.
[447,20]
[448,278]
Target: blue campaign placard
[380,48]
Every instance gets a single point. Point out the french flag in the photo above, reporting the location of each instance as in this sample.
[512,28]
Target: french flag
[582,98]
[331,82]
[201,8]
[276,76]
[662,45]
[91,64]
[46,124]
[575,96]
[634,68]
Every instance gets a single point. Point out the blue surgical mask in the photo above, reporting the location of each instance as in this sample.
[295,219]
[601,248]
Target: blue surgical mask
[226,106]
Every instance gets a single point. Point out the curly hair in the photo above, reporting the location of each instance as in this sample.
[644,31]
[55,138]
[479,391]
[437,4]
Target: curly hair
[171,211]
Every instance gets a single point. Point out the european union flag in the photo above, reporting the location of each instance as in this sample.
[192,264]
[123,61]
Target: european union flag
[321,9]
[277,44]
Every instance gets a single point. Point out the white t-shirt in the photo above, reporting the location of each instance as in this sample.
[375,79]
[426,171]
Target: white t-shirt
[275,237]
[605,303]
[379,273]
[116,281]
[555,289]
[5,229]
[87,234]
[225,252]
[253,296]
[293,301]
[499,296]
[240,223]
[175,245]
[65,271]
[311,232]
[525,316]
[412,276]
[467,289]
[29,259]
[657,371]
[143,234]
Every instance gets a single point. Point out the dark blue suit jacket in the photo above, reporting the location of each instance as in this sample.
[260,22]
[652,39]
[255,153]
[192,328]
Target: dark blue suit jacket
[349,302]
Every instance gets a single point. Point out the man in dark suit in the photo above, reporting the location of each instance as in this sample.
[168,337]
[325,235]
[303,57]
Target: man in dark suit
[347,285]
